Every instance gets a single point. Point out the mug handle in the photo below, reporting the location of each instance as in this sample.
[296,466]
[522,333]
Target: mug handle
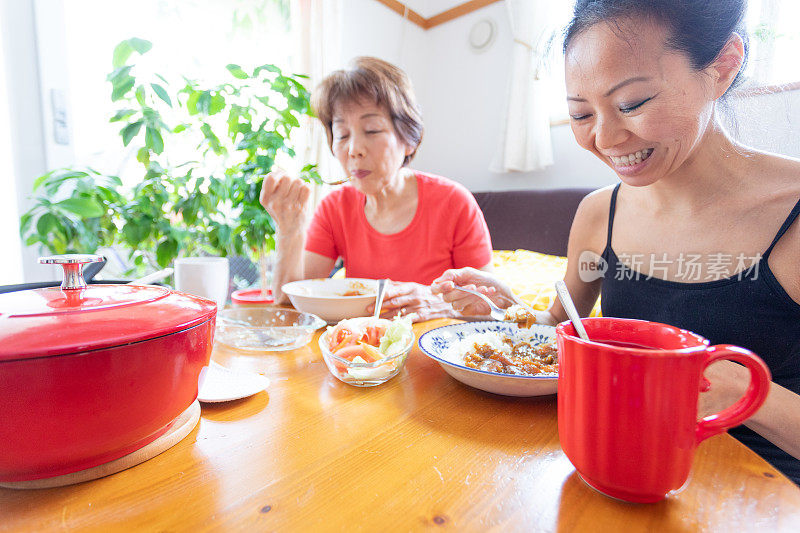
[749,403]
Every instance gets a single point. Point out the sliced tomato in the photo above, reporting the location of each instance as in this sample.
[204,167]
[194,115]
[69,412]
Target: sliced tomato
[351,352]
[342,336]
[371,351]
[373,335]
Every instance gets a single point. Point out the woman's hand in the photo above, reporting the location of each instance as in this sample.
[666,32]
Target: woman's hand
[286,199]
[728,381]
[477,280]
[407,298]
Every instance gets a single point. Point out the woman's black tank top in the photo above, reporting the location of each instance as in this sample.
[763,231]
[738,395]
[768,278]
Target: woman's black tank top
[749,309]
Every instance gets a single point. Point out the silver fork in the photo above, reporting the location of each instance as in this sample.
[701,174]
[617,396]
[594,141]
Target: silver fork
[495,312]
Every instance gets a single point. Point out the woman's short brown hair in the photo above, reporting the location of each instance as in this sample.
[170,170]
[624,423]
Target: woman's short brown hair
[375,80]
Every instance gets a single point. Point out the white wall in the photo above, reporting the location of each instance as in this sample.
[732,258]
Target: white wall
[462,97]
[769,122]
[370,28]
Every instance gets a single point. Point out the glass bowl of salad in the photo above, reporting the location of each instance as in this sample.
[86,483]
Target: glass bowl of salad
[367,351]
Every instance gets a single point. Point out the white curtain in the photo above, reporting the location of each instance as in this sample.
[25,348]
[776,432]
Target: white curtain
[317,28]
[525,143]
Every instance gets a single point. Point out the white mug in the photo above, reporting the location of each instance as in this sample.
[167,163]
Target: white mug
[203,276]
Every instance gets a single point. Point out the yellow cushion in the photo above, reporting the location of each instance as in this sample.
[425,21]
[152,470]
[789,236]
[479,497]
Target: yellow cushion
[532,276]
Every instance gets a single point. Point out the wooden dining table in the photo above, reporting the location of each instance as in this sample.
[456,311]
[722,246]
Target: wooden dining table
[420,452]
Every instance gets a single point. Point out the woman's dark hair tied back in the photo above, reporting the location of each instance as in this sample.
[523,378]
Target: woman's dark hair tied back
[698,28]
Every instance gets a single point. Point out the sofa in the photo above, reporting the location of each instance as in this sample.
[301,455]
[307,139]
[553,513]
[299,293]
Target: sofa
[530,231]
[537,220]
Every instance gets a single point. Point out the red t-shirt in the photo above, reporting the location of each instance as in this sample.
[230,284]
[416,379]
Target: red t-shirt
[447,231]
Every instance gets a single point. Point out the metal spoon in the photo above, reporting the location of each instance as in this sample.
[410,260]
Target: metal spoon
[495,312]
[379,297]
[336,182]
[569,307]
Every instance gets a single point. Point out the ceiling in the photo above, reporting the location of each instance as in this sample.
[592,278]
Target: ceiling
[429,8]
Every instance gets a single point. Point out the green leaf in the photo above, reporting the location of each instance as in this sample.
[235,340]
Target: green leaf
[140,95]
[122,114]
[130,131]
[135,231]
[161,93]
[53,180]
[211,137]
[217,104]
[192,102]
[166,252]
[121,89]
[41,179]
[204,102]
[290,118]
[153,140]
[237,71]
[264,162]
[119,74]
[124,50]
[140,45]
[121,54]
[179,128]
[45,224]
[156,168]
[270,68]
[143,156]
[84,207]
[24,223]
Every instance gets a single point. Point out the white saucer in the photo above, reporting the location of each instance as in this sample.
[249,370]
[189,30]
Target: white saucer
[220,384]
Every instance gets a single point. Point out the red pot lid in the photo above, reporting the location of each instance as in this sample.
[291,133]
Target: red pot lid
[55,321]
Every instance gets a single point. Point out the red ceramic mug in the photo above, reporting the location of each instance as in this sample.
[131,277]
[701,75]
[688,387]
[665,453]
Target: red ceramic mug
[627,403]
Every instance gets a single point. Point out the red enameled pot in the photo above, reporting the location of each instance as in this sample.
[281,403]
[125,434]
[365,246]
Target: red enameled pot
[91,373]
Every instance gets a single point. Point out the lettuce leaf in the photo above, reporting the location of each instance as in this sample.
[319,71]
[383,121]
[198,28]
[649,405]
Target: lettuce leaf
[398,335]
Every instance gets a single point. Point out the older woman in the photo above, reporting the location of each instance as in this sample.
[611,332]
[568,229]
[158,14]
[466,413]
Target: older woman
[701,231]
[389,221]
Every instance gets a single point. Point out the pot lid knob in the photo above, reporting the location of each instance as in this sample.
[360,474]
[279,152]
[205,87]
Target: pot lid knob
[73,267]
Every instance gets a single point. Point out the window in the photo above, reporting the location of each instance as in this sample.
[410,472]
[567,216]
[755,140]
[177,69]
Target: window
[194,38]
[774,43]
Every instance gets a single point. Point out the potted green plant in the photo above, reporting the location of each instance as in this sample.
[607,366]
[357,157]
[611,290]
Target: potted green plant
[203,152]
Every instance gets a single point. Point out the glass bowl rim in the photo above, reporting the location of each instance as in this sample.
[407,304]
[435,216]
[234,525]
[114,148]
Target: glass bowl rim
[374,364]
[317,322]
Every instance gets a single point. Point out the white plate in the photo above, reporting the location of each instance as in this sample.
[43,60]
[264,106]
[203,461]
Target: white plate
[324,297]
[220,384]
[436,343]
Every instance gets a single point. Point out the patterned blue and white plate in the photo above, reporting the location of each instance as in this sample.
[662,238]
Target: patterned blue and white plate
[438,343]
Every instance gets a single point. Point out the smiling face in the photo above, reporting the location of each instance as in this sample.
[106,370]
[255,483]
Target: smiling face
[637,105]
[367,146]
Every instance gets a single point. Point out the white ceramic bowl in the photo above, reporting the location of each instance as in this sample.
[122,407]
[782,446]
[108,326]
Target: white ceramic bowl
[326,297]
[436,344]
